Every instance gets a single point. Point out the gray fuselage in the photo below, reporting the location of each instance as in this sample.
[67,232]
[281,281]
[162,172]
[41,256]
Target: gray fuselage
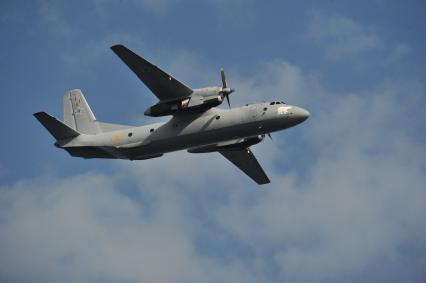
[187,131]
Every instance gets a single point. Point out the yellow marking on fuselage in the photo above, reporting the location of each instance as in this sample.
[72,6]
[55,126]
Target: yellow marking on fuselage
[116,138]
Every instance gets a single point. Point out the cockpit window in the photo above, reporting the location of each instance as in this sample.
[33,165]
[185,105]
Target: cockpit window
[272,103]
[278,102]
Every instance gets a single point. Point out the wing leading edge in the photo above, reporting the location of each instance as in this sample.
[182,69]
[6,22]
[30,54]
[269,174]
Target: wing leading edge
[163,85]
[247,162]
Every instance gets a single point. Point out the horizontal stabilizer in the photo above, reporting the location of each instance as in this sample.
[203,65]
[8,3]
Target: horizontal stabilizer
[58,129]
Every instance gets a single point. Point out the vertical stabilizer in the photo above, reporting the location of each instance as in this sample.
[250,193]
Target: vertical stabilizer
[77,113]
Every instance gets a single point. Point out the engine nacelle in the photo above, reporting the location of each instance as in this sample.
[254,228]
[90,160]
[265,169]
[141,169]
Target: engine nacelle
[194,103]
[243,143]
[246,142]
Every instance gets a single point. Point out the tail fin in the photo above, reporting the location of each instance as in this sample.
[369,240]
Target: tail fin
[58,129]
[77,113]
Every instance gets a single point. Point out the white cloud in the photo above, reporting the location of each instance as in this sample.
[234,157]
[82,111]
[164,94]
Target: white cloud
[342,36]
[354,210]
[400,51]
[277,80]
[81,229]
[360,193]
[93,52]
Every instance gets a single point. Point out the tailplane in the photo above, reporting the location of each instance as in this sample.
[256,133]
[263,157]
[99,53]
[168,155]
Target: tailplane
[58,129]
[77,113]
[78,119]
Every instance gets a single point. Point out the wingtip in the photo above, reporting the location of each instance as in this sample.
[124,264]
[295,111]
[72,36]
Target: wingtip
[265,180]
[116,46]
[38,113]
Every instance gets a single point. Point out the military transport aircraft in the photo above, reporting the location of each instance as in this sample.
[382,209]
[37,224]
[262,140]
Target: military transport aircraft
[196,125]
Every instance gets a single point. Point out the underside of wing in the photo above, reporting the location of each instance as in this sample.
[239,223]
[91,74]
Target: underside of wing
[164,86]
[247,162]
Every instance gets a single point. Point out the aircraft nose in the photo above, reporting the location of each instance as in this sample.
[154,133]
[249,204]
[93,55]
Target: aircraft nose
[300,114]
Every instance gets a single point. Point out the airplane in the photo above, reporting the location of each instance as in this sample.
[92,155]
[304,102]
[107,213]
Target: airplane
[196,124]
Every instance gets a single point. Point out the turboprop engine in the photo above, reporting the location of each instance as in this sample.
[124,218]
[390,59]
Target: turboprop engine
[199,100]
[193,103]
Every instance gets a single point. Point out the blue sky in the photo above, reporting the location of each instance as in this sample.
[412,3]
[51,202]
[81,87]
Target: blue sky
[346,202]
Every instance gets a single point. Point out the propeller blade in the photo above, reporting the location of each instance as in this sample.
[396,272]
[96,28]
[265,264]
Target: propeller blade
[225,91]
[222,75]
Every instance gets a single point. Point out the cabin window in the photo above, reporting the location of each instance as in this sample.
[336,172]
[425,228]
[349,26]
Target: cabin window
[264,109]
[130,134]
[151,130]
[217,117]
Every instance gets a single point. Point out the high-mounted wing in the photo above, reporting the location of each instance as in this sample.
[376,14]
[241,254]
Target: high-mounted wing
[164,86]
[247,162]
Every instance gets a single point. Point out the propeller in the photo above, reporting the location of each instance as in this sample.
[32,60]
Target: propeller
[225,91]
